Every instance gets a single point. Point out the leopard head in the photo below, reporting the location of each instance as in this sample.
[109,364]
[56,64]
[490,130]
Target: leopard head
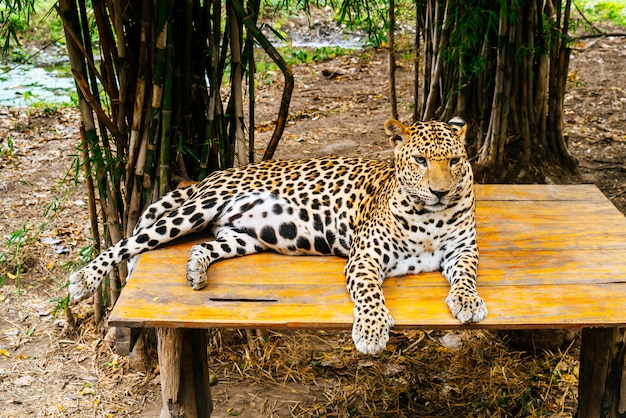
[431,162]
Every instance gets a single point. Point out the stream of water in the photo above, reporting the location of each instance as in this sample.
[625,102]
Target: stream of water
[48,80]
[23,85]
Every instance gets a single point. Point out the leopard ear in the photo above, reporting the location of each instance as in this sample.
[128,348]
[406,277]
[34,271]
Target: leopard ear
[396,131]
[460,127]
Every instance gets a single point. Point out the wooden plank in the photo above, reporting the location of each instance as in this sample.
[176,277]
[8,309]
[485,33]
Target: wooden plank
[328,306]
[496,268]
[545,262]
[550,225]
[539,192]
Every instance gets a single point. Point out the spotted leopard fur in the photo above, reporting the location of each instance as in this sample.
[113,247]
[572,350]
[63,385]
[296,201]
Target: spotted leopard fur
[417,214]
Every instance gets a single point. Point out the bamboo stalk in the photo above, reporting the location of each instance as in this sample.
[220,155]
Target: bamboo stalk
[252,99]
[419,30]
[531,40]
[107,77]
[121,66]
[176,38]
[429,28]
[136,193]
[71,27]
[236,124]
[108,46]
[552,75]
[166,119]
[162,22]
[225,149]
[526,89]
[210,137]
[93,214]
[287,73]
[186,61]
[434,97]
[72,33]
[489,154]
[564,157]
[202,69]
[104,121]
[132,183]
[543,70]
[393,99]
[253,11]
[509,59]
[484,93]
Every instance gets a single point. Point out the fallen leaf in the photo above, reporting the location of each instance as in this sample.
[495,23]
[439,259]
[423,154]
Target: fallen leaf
[87,391]
[232,412]
[11,332]
[451,341]
[23,381]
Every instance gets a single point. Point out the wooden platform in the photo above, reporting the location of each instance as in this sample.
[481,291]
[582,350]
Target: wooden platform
[550,257]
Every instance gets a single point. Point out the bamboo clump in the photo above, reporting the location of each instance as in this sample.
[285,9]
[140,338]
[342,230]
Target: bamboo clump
[151,108]
[502,66]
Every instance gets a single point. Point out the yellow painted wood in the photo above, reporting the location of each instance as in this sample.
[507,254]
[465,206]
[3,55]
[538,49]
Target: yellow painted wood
[539,192]
[551,256]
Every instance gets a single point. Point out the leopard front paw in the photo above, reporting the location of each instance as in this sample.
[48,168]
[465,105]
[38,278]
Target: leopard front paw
[370,331]
[196,268]
[82,285]
[466,306]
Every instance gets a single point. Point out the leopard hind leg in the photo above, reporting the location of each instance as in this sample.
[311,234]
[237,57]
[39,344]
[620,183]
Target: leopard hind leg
[165,204]
[230,242]
[187,218]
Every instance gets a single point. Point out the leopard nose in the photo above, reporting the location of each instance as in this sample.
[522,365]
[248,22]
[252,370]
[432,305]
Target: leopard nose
[439,193]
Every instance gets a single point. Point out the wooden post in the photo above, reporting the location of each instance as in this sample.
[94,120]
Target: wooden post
[184,373]
[125,339]
[602,381]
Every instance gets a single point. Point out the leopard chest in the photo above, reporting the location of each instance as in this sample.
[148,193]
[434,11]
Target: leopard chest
[422,239]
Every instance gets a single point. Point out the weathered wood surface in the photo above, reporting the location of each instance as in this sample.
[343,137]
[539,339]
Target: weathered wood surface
[551,256]
[184,374]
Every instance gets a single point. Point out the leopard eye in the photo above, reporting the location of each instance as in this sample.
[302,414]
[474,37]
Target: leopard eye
[420,160]
[455,161]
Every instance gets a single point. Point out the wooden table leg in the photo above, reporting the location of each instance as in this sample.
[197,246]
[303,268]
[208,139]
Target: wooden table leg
[602,377]
[184,373]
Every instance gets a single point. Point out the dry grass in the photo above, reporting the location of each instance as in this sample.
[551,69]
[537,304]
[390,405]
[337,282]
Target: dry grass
[416,376]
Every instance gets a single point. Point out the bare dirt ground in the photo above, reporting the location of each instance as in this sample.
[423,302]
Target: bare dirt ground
[475,374]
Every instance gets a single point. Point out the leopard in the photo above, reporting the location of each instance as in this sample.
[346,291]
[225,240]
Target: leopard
[414,213]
